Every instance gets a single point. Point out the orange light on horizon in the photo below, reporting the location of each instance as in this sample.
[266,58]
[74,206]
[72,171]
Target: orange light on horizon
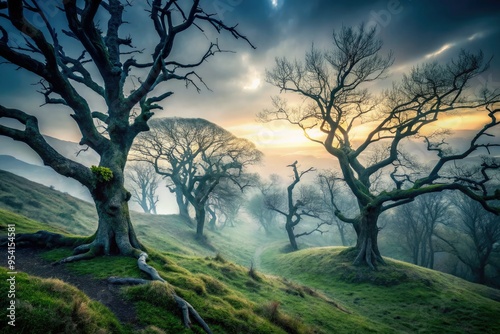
[285,138]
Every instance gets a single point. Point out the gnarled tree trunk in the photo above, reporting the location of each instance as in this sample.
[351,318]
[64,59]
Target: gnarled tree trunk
[182,203]
[367,244]
[200,219]
[115,233]
[291,236]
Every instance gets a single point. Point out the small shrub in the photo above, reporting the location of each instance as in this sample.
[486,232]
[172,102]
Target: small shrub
[253,273]
[218,257]
[289,324]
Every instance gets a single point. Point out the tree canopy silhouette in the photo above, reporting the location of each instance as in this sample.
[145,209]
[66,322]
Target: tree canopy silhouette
[335,87]
[85,54]
[197,156]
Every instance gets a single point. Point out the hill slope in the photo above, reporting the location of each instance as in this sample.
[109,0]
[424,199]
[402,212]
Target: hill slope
[409,298]
[44,175]
[340,298]
[229,297]
[161,232]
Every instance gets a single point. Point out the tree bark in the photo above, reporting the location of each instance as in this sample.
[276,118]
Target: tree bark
[212,223]
[115,233]
[291,236]
[367,242]
[200,220]
[181,203]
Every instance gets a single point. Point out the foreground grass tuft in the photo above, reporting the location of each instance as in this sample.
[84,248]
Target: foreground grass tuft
[52,306]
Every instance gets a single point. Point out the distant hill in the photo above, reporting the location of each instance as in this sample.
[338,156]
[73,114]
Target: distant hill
[19,159]
[68,149]
[44,175]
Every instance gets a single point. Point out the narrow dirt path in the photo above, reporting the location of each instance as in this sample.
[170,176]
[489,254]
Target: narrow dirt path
[29,261]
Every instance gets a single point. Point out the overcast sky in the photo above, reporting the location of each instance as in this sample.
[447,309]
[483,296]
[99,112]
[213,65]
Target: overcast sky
[415,30]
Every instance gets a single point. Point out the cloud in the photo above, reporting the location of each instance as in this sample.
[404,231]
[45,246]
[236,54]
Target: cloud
[421,31]
[440,51]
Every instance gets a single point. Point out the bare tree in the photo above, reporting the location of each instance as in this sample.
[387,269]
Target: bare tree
[334,85]
[257,208]
[224,203]
[196,155]
[334,199]
[144,184]
[88,56]
[416,225]
[296,208]
[472,236]
[105,66]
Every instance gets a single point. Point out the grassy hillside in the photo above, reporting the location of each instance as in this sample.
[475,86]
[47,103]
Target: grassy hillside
[161,232]
[406,297]
[228,296]
[53,307]
[314,290]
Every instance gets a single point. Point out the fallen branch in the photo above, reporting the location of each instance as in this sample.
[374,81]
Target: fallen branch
[186,308]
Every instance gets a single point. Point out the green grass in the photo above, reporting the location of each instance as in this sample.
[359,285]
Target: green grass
[226,295]
[52,306]
[22,223]
[56,212]
[406,297]
[316,290]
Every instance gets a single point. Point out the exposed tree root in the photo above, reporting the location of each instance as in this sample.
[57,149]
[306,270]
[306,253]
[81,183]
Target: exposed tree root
[84,248]
[90,254]
[90,250]
[367,255]
[43,239]
[54,240]
[186,308]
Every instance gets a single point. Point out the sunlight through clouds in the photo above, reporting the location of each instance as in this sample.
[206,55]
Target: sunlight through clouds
[253,84]
[440,51]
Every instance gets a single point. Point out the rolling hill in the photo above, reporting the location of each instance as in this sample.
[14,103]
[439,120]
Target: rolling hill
[314,290]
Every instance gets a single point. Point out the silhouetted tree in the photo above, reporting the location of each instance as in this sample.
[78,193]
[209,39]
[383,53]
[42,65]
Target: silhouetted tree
[295,208]
[472,236]
[416,224]
[334,198]
[102,69]
[335,85]
[224,203]
[144,183]
[257,208]
[196,155]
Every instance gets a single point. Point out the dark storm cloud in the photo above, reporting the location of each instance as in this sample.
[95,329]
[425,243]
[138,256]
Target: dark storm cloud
[412,29]
[425,26]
